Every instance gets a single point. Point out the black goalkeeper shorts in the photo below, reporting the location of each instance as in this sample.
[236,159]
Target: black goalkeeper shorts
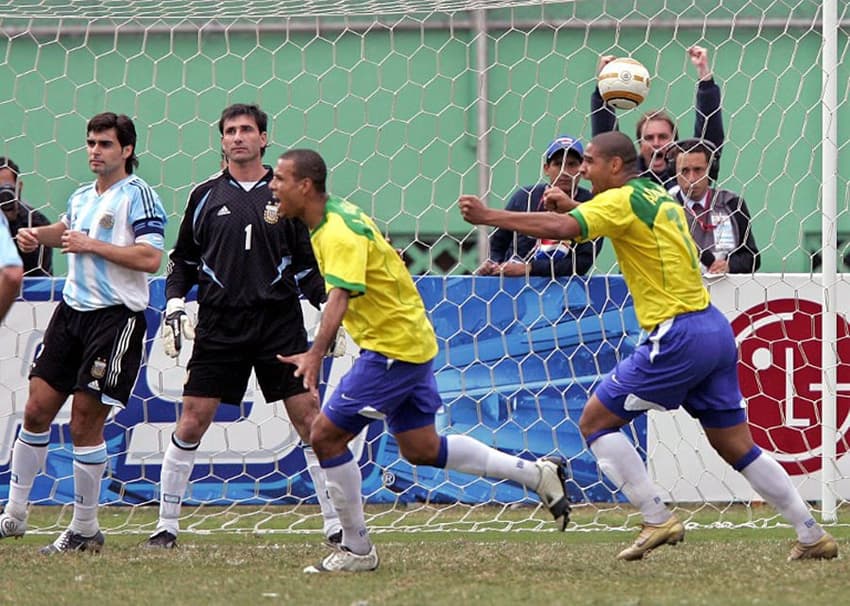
[231,342]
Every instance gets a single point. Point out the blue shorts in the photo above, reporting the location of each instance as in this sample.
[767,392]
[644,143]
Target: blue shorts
[690,360]
[406,393]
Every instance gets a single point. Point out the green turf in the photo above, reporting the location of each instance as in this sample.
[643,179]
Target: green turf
[713,566]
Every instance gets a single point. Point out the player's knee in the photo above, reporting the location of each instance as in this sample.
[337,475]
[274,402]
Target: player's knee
[37,418]
[85,429]
[596,418]
[304,426]
[191,428]
[586,426]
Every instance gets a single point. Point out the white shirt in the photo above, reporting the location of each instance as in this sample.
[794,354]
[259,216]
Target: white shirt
[127,213]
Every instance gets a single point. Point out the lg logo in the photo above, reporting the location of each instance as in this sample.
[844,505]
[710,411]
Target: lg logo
[779,345]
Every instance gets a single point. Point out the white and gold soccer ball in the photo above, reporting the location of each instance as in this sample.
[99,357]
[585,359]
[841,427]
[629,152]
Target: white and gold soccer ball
[623,83]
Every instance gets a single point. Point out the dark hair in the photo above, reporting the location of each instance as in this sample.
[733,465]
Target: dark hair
[125,130]
[559,157]
[308,164]
[10,164]
[655,114]
[699,146]
[244,109]
[615,144]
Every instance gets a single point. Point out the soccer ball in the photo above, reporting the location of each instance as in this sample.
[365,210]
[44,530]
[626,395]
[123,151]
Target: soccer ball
[623,83]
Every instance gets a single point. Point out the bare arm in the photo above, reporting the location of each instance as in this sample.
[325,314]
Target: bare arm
[29,238]
[138,257]
[10,284]
[547,225]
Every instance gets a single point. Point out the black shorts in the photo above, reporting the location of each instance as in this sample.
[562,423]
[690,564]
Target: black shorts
[98,351]
[230,342]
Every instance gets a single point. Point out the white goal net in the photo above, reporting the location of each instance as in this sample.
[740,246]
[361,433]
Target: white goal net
[413,103]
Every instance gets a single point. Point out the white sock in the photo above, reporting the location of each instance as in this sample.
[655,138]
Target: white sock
[173,478]
[330,519]
[89,463]
[771,481]
[27,460]
[344,485]
[620,462]
[471,456]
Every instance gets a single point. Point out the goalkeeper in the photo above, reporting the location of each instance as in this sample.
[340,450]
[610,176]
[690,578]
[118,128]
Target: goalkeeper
[248,265]
[369,286]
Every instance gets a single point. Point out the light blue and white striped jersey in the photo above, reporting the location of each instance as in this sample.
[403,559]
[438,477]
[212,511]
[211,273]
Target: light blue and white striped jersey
[8,251]
[127,213]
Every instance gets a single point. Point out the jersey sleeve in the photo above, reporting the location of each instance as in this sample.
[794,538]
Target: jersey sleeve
[607,214]
[147,216]
[184,259]
[345,256]
[307,276]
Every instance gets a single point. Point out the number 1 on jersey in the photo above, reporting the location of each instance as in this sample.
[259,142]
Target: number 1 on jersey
[248,236]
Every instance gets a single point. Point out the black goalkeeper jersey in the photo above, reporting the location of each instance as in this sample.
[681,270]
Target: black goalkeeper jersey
[233,245]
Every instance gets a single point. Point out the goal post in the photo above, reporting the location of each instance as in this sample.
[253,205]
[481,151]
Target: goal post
[413,102]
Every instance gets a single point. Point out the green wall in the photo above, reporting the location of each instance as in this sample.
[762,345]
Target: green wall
[394,113]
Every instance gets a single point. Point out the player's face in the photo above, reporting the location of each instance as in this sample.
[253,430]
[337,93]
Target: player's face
[287,189]
[563,171]
[241,140]
[657,134]
[692,174]
[596,169]
[106,156]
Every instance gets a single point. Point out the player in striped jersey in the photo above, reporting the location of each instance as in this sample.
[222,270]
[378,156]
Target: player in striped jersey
[689,357]
[112,233]
[371,292]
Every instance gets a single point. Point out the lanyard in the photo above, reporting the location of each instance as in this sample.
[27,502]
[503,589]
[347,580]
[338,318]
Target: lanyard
[701,217]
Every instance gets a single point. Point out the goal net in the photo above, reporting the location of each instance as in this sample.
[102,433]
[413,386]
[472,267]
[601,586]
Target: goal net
[413,103]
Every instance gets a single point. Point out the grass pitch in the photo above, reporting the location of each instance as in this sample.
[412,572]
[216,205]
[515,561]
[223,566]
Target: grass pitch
[712,566]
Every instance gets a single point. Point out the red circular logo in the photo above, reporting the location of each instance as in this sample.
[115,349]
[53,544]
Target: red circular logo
[779,344]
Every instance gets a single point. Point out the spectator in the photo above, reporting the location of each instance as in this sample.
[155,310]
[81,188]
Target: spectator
[513,254]
[719,219]
[20,214]
[656,129]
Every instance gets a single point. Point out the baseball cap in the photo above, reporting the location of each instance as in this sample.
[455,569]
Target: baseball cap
[8,193]
[564,142]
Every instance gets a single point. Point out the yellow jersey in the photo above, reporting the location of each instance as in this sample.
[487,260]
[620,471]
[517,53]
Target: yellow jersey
[655,250]
[385,311]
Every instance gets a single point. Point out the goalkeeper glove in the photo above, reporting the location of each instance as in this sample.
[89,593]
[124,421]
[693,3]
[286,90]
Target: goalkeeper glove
[337,346]
[176,327]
